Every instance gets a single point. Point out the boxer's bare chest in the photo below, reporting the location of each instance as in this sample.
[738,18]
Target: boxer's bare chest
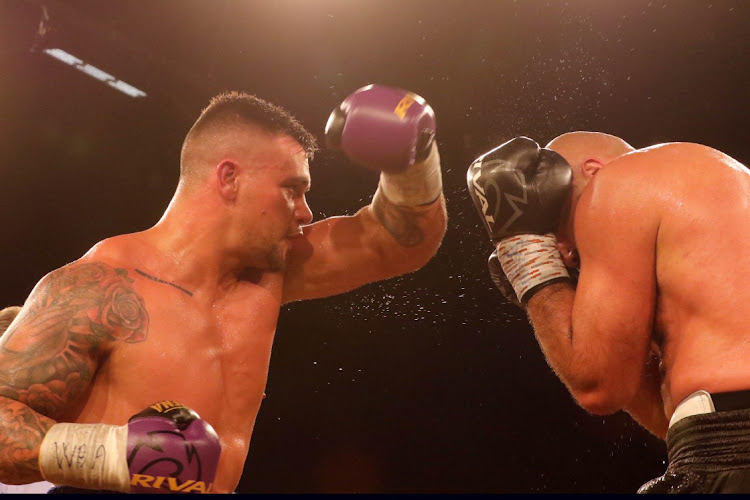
[207,348]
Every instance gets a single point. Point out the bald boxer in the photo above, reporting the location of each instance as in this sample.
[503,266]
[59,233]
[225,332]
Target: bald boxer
[657,323]
[184,313]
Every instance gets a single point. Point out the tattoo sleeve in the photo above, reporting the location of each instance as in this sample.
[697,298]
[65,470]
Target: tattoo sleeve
[49,356]
[402,222]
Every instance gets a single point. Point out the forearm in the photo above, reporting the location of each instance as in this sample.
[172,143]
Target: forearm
[410,204]
[647,407]
[21,430]
[550,312]
[413,228]
[581,363]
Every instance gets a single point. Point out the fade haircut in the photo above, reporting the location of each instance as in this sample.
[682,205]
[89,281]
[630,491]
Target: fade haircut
[240,108]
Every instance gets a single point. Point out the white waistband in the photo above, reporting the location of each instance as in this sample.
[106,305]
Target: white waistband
[695,404]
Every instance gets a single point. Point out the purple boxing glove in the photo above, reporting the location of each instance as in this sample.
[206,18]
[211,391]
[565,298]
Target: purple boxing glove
[166,448]
[382,128]
[170,449]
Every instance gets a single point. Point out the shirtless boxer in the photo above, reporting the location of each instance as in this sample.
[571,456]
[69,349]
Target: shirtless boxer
[186,310]
[657,322]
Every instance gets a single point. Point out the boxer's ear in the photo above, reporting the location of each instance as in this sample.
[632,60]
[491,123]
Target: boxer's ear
[227,173]
[591,166]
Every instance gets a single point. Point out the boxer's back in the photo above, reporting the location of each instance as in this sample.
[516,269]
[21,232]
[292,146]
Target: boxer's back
[702,323]
[205,347]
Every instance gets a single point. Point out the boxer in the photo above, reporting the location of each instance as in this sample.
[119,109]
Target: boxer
[656,322]
[186,310]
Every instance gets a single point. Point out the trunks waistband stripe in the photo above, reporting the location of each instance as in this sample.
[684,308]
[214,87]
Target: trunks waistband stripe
[701,402]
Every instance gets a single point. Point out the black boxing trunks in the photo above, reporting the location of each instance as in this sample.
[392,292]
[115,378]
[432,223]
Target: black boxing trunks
[708,446]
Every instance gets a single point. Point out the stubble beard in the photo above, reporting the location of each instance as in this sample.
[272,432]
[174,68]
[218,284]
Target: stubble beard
[276,259]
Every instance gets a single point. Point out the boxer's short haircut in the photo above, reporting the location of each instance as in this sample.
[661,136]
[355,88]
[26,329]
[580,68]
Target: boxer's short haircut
[230,107]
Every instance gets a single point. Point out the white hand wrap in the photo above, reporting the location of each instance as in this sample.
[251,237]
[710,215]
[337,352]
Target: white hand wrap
[89,456]
[420,184]
[529,260]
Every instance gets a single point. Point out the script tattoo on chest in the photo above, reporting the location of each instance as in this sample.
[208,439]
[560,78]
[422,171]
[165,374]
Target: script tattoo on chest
[49,355]
[164,282]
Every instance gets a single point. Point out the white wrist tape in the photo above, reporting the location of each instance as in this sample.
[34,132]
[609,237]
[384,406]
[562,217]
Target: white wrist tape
[420,184]
[529,260]
[91,456]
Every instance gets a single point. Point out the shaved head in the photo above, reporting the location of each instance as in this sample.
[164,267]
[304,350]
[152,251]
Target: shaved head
[586,152]
[577,147]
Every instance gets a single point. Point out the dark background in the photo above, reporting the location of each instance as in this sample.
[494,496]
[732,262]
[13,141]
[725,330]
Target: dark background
[424,383]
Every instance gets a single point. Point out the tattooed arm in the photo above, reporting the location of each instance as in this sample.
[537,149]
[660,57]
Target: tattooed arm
[380,241]
[49,355]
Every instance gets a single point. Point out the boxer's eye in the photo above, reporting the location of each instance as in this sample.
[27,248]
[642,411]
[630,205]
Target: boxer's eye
[297,189]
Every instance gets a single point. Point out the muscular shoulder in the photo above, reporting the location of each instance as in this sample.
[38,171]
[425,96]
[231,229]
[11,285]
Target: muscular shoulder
[625,197]
[679,169]
[92,297]
[72,319]
[676,148]
[660,157]
[647,173]
[118,250]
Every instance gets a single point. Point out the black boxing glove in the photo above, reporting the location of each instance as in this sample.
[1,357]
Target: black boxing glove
[520,188]
[520,191]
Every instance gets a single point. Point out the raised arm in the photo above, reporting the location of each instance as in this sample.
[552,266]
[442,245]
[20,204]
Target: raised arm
[392,131]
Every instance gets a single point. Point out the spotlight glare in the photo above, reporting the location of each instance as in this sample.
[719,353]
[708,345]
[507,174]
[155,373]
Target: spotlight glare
[94,72]
[126,88]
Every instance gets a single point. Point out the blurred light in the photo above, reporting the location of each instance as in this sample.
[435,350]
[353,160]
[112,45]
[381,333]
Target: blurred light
[95,72]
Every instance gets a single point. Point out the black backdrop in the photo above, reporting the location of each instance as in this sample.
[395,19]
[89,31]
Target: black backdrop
[424,383]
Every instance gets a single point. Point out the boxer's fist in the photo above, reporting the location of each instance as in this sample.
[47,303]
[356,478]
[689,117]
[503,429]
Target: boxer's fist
[519,188]
[166,448]
[382,128]
[520,191]
[171,449]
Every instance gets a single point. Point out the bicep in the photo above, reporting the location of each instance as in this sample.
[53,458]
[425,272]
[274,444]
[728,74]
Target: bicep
[50,353]
[615,298]
[335,255]
[381,241]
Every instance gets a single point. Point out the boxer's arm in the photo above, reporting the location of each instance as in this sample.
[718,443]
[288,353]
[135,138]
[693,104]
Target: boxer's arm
[647,407]
[380,241]
[597,336]
[22,430]
[547,313]
[49,355]
[390,130]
